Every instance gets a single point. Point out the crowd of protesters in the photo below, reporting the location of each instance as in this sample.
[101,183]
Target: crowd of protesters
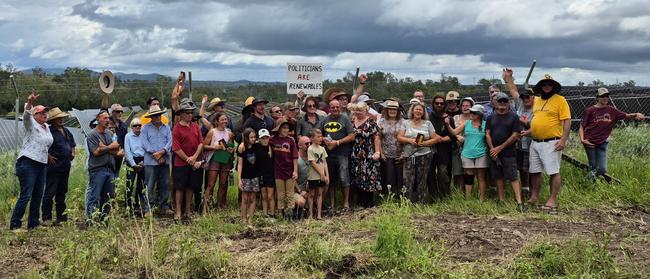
[295,155]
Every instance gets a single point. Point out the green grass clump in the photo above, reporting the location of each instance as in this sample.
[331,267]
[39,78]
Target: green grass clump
[313,253]
[576,258]
[396,247]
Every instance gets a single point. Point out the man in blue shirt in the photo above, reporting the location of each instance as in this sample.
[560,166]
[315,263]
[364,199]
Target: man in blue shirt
[156,140]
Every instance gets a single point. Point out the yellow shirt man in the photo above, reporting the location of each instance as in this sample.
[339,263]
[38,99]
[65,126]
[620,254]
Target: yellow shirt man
[548,116]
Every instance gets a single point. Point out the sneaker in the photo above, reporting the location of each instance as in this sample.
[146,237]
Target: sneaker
[168,212]
[148,214]
[522,207]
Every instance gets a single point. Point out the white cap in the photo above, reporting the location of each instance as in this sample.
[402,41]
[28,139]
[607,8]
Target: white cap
[263,133]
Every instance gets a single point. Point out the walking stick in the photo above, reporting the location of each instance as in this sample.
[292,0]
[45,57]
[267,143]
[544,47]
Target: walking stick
[530,72]
[354,81]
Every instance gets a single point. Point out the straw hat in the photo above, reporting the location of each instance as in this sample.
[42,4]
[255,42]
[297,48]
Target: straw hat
[154,111]
[107,82]
[55,113]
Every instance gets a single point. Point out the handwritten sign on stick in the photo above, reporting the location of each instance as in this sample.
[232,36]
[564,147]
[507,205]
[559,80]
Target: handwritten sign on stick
[307,77]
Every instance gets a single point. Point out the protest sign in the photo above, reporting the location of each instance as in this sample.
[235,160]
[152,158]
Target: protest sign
[307,77]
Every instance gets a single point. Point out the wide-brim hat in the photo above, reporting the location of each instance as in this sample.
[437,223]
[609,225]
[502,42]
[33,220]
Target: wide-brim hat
[215,102]
[316,99]
[186,104]
[282,122]
[547,79]
[248,104]
[390,104]
[107,82]
[55,113]
[333,93]
[259,100]
[469,99]
[154,111]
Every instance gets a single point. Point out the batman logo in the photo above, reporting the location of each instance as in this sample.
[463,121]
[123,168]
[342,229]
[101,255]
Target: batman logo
[332,127]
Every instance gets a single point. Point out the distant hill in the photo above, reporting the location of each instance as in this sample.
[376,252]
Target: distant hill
[154,76]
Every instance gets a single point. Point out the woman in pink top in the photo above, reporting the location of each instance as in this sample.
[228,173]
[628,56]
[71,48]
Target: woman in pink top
[218,138]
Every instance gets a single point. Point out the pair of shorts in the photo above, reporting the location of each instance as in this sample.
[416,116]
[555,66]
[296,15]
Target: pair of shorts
[216,166]
[544,157]
[267,181]
[475,163]
[315,184]
[186,178]
[251,185]
[338,168]
[504,167]
[523,160]
[456,163]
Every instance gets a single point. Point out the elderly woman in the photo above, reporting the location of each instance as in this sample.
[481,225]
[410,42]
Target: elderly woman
[366,152]
[391,166]
[135,172]
[31,165]
[418,136]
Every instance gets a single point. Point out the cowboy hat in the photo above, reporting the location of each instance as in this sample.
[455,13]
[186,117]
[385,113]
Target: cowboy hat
[247,104]
[259,100]
[390,104]
[55,113]
[333,93]
[282,122]
[546,80]
[215,102]
[154,111]
[106,82]
[186,104]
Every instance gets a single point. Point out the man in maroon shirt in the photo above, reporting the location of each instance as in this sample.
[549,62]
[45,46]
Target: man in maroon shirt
[187,145]
[595,128]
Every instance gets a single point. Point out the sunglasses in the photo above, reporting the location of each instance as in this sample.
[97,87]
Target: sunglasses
[118,111]
[277,111]
[503,101]
[136,126]
[439,104]
[493,91]
[311,106]
[526,96]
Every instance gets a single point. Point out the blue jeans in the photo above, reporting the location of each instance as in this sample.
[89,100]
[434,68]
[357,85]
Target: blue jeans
[597,158]
[31,175]
[99,192]
[156,176]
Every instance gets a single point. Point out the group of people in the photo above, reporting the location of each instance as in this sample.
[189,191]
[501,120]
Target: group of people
[302,152]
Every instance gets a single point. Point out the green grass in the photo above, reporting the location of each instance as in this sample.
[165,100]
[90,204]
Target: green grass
[384,243]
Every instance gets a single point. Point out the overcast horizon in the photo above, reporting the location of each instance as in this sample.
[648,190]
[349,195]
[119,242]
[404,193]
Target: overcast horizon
[253,40]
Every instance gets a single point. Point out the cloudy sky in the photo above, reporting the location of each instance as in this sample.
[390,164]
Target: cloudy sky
[231,40]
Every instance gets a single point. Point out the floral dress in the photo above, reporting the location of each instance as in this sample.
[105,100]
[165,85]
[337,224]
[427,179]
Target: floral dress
[364,171]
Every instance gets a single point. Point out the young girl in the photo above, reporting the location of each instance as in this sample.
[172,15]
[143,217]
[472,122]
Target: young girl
[248,174]
[318,176]
[474,155]
[265,167]
[285,157]
[218,140]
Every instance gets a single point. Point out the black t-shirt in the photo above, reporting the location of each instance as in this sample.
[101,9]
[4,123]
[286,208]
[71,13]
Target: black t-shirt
[443,149]
[337,128]
[501,127]
[264,160]
[257,123]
